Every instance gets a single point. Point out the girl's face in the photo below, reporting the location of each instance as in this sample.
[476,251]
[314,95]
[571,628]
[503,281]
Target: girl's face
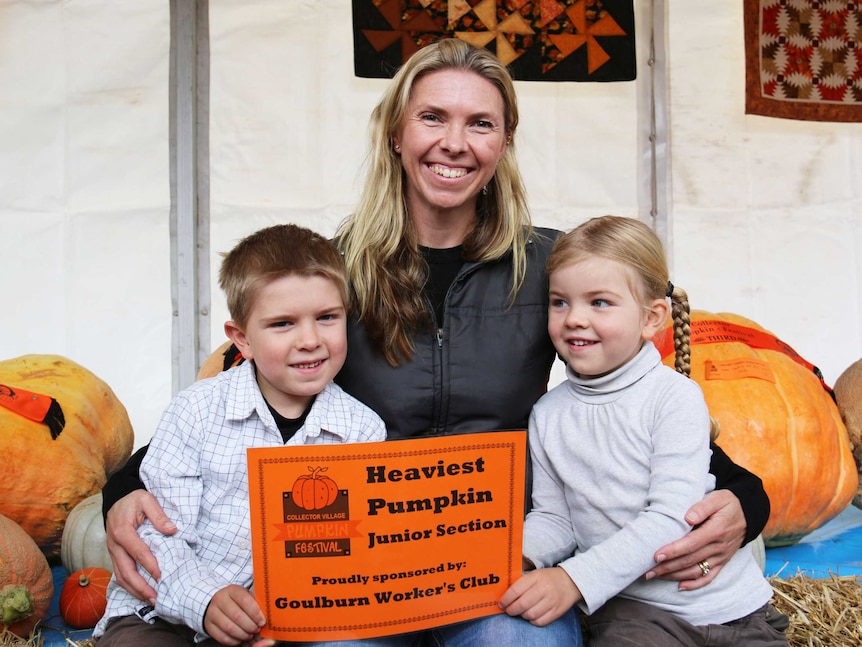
[297,336]
[450,141]
[595,321]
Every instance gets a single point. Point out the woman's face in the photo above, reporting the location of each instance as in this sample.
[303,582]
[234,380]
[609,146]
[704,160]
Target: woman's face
[452,136]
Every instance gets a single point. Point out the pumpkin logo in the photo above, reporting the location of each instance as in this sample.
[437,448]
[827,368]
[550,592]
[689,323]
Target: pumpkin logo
[316,517]
[314,491]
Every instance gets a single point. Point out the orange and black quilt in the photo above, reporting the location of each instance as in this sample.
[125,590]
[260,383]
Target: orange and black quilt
[803,59]
[543,40]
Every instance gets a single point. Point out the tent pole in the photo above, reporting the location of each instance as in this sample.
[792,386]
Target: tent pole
[189,169]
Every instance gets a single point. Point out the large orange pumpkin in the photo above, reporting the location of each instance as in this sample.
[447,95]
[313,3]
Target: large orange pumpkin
[26,584]
[777,419]
[215,362]
[45,477]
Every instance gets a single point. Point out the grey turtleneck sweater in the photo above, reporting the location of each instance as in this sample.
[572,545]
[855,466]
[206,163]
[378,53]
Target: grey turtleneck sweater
[617,462]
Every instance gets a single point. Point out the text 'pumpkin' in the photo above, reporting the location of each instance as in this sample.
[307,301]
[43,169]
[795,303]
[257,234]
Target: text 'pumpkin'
[777,420]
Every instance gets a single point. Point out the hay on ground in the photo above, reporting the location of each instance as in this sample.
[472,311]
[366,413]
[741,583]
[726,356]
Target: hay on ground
[823,612]
[8,639]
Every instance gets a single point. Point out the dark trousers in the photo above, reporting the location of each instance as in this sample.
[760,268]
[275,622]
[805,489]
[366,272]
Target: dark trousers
[622,622]
[131,630]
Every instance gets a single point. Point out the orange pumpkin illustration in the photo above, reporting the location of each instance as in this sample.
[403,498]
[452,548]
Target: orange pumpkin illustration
[314,491]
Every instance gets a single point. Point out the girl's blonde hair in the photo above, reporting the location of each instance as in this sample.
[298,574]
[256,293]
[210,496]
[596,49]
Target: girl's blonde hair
[384,265]
[634,245]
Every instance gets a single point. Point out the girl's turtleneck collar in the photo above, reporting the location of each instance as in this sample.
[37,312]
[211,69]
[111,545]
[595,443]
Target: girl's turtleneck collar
[608,387]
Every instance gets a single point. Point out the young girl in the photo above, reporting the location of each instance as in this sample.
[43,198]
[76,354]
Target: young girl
[620,451]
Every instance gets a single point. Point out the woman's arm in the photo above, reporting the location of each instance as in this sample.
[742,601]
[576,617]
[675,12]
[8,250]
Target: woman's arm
[124,481]
[727,518]
[748,489]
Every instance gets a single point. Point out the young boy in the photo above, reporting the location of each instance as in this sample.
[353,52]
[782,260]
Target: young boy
[286,292]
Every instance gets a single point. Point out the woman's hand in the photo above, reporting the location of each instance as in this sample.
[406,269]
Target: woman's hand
[695,560]
[125,546]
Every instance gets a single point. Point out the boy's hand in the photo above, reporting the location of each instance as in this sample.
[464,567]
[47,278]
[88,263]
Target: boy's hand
[234,617]
[541,596]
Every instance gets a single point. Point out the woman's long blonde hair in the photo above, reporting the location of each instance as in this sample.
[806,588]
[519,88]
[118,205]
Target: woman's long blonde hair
[384,266]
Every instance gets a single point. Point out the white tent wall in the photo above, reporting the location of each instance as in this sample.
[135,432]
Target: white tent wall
[84,194]
[760,213]
[766,213]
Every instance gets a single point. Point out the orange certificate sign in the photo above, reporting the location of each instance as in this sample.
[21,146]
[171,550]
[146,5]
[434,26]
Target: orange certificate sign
[372,539]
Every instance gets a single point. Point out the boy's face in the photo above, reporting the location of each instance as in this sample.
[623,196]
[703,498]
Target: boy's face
[297,336]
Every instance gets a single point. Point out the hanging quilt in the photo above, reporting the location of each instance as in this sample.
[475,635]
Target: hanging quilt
[803,59]
[543,40]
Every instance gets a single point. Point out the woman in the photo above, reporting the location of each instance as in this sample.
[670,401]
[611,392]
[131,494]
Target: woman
[450,321]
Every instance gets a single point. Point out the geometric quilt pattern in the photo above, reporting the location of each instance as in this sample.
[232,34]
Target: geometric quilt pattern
[808,58]
[540,40]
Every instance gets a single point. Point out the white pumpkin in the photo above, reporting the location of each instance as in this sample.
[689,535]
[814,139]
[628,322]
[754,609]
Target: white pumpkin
[83,543]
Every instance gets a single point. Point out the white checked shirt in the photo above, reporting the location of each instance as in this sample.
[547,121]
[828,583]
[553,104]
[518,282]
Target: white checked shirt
[196,468]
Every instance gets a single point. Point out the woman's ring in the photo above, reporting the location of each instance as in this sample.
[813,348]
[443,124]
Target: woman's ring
[704,567]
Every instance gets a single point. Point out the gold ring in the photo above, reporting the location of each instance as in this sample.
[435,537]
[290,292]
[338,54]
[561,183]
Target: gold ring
[704,567]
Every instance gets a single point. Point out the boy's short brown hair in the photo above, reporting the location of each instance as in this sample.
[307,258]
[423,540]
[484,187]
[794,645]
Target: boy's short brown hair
[271,253]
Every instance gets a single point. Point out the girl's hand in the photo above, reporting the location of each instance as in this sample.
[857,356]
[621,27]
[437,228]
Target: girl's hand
[541,596]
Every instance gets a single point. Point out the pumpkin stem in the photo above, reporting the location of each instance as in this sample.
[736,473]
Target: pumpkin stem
[83,580]
[16,604]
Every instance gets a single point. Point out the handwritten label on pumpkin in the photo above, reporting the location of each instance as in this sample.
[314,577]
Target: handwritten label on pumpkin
[374,539]
[736,369]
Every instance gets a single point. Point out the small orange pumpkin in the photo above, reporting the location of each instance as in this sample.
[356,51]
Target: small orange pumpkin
[26,584]
[84,597]
[313,491]
[776,419]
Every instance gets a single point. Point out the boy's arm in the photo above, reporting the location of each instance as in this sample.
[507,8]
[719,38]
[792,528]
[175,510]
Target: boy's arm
[171,471]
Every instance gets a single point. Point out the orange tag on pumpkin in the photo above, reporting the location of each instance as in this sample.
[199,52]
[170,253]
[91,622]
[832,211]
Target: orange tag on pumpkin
[33,406]
[710,331]
[736,369]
